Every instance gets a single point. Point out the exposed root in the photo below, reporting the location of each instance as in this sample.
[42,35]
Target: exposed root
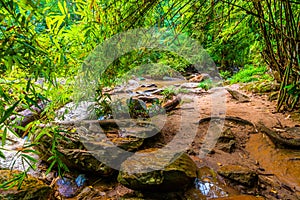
[277,139]
[228,118]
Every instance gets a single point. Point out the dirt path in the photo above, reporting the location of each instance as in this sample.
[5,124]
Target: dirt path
[277,169]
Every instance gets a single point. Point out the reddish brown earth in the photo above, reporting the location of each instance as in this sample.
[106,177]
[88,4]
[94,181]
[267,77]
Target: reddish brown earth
[277,169]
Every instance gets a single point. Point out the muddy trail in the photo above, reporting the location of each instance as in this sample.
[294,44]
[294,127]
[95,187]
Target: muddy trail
[225,131]
[240,162]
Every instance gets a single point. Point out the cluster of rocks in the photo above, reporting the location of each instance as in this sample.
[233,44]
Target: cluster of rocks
[102,148]
[109,146]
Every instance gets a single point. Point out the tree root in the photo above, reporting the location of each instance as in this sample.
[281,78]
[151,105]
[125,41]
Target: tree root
[278,140]
[228,118]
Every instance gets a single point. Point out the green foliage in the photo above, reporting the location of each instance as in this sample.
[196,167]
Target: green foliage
[55,159]
[103,104]
[171,91]
[225,75]
[16,181]
[251,73]
[206,84]
[228,33]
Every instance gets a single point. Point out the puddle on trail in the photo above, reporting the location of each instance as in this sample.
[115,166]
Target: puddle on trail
[208,186]
[210,189]
[284,163]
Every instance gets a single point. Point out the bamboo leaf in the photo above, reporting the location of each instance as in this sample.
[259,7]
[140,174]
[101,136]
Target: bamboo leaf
[2,155]
[8,112]
[25,156]
[4,134]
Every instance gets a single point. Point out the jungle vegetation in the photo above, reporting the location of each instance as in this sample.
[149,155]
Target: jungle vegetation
[49,40]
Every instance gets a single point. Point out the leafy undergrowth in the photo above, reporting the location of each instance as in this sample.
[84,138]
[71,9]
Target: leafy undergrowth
[255,79]
[251,73]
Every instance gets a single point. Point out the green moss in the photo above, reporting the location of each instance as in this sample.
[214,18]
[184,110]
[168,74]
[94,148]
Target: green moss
[250,74]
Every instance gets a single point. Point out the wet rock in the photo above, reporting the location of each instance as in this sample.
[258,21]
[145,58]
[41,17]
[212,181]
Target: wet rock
[200,78]
[68,187]
[130,86]
[189,85]
[146,92]
[148,99]
[171,104]
[226,136]
[88,193]
[32,188]
[11,150]
[73,152]
[149,85]
[198,91]
[242,98]
[149,171]
[239,174]
[227,147]
[73,112]
[157,92]
[166,78]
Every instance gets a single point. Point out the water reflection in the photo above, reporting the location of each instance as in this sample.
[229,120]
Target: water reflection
[209,189]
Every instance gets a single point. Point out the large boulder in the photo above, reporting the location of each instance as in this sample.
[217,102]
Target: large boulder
[153,171]
[32,188]
[87,145]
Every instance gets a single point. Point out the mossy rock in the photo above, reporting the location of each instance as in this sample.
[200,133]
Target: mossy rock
[88,145]
[261,87]
[239,174]
[152,171]
[32,188]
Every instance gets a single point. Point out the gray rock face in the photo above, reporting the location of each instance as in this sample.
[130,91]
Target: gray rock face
[73,112]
